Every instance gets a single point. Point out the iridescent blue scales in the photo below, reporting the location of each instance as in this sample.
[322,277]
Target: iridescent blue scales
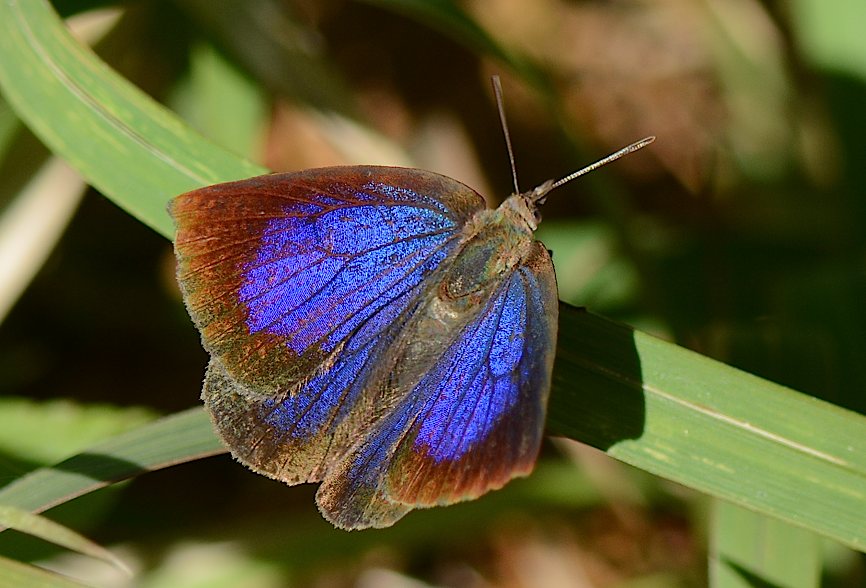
[374,329]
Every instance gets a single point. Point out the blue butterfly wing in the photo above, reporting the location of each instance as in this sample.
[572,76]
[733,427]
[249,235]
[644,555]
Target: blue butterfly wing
[277,270]
[472,423]
[297,283]
[295,437]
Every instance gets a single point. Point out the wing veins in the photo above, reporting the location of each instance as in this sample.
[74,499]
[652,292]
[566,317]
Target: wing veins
[227,331]
[429,408]
[352,315]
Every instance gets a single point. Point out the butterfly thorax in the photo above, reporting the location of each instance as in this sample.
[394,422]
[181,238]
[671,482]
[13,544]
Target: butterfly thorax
[492,244]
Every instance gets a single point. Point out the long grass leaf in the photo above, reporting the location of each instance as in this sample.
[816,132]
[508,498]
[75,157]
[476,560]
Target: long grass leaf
[175,439]
[130,148]
[39,526]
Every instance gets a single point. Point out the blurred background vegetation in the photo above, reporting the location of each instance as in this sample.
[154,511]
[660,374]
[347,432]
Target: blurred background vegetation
[741,233]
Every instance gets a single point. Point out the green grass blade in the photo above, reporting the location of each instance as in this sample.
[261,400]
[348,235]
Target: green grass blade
[647,402]
[175,439]
[34,434]
[674,413]
[126,145]
[39,526]
[711,427]
[15,574]
[9,125]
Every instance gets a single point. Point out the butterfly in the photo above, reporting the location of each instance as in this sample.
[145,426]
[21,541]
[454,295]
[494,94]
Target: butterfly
[375,329]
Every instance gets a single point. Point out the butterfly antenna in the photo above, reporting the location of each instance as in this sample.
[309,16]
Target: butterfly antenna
[540,193]
[500,106]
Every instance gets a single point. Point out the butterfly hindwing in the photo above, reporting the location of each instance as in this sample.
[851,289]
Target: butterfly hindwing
[296,282]
[483,421]
[473,421]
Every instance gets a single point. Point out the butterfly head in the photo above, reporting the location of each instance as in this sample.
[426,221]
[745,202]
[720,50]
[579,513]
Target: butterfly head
[526,204]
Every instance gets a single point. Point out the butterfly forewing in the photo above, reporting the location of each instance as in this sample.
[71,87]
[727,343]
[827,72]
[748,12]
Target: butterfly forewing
[277,270]
[295,282]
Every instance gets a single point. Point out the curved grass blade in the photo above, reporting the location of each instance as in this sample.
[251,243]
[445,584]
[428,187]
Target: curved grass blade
[39,526]
[181,437]
[130,148]
[35,434]
[646,402]
[711,427]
